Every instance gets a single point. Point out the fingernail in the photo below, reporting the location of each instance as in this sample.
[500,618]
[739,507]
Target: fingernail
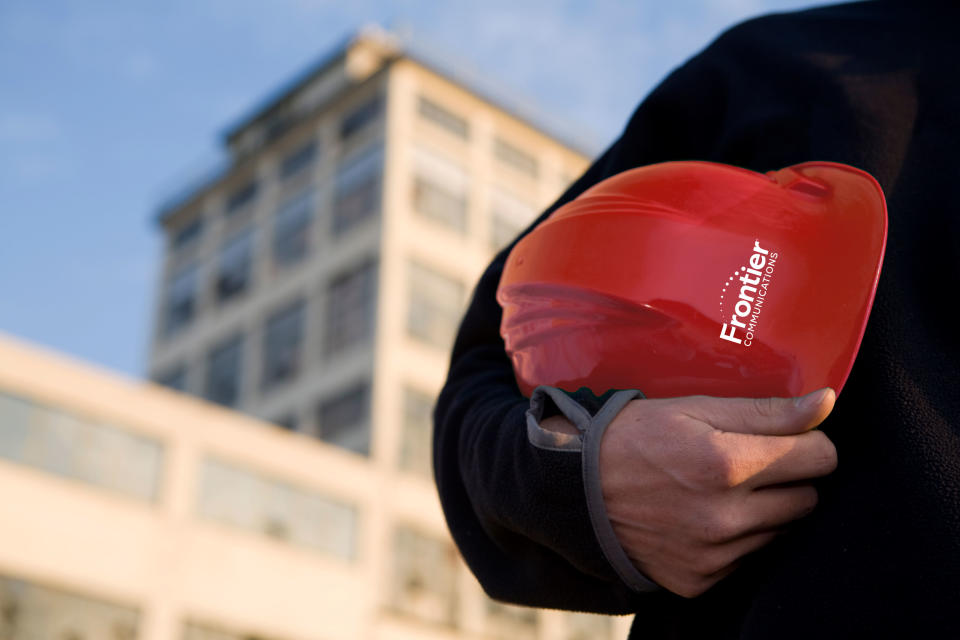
[812,399]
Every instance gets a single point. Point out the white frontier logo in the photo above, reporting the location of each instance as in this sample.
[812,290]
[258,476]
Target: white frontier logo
[756,279]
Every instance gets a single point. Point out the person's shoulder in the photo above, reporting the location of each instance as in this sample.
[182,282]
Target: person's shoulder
[846,15]
[832,28]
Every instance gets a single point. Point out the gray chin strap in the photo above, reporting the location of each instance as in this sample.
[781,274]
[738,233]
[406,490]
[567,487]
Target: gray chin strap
[611,547]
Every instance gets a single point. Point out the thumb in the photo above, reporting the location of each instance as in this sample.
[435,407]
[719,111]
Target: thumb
[766,416]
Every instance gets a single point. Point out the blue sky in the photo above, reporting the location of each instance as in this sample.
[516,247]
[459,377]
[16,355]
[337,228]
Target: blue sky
[106,107]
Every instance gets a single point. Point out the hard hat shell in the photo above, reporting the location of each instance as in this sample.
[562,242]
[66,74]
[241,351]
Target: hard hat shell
[687,278]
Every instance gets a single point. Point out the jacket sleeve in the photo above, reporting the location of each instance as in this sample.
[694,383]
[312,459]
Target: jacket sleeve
[518,511]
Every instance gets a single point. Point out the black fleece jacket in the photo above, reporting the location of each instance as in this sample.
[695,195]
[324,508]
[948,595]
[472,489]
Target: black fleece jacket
[872,84]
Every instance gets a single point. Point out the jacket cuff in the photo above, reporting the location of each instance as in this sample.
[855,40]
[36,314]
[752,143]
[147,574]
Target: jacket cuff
[550,400]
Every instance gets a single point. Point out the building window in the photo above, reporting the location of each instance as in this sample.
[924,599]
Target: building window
[282,345]
[291,229]
[298,160]
[188,235]
[508,217]
[74,447]
[424,580]
[351,306]
[224,372]
[241,197]
[174,378]
[180,301]
[440,190]
[287,421]
[29,610]
[278,126]
[415,439]
[361,117]
[259,503]
[357,190]
[440,116]
[435,306]
[516,158]
[344,419]
[236,259]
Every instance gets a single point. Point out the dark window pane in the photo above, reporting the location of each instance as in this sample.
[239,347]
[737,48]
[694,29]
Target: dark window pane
[357,190]
[224,370]
[516,158]
[298,160]
[356,205]
[236,258]
[241,197]
[350,305]
[180,303]
[282,345]
[287,421]
[279,126]
[188,234]
[360,117]
[438,115]
[344,419]
[175,378]
[291,229]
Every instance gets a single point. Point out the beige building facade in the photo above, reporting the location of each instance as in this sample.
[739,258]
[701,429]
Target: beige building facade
[314,284]
[133,512]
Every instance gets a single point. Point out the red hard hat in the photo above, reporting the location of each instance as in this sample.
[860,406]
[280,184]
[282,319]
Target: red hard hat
[689,278]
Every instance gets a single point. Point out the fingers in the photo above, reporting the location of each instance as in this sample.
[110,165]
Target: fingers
[694,484]
[768,509]
[741,531]
[750,513]
[762,416]
[690,576]
[761,461]
[808,456]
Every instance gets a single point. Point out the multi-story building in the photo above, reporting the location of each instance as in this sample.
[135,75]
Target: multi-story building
[315,282]
[130,512]
[318,280]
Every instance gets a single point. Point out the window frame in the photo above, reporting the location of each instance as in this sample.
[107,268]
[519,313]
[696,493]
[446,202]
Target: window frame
[292,225]
[236,341]
[360,391]
[347,323]
[240,249]
[438,115]
[294,312]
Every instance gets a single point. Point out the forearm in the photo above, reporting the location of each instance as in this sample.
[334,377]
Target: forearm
[516,511]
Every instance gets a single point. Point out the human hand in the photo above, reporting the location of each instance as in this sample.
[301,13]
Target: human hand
[693,484]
